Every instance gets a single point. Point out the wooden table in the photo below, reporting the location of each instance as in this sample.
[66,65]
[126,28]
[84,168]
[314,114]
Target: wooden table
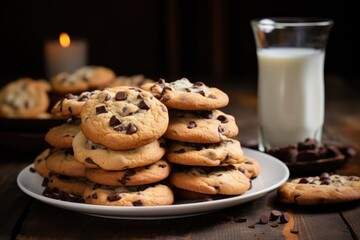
[22,217]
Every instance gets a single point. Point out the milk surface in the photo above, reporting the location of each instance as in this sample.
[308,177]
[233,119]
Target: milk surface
[291,95]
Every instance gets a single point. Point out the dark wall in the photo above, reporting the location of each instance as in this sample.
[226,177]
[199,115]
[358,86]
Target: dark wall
[209,39]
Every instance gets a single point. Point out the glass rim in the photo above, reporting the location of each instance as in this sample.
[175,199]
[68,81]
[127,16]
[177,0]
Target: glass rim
[281,22]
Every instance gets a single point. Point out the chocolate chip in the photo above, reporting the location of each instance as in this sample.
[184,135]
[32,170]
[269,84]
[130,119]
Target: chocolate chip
[326,181]
[221,129]
[284,218]
[143,105]
[191,125]
[274,215]
[324,175]
[120,96]
[83,98]
[101,109]
[126,177]
[222,119]
[180,151]
[202,93]
[137,203]
[113,197]
[198,84]
[264,219]
[303,181]
[107,97]
[114,121]
[163,108]
[89,160]
[294,230]
[94,196]
[32,169]
[131,129]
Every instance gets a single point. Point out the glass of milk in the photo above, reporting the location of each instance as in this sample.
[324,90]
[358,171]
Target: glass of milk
[291,56]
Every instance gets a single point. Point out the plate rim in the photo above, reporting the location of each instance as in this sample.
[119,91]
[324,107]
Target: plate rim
[166,211]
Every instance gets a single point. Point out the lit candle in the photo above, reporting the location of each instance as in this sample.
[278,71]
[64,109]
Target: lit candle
[64,55]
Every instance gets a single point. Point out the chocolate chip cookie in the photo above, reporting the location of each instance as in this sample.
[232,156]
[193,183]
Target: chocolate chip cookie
[323,189]
[207,126]
[123,118]
[24,98]
[87,152]
[72,104]
[185,95]
[225,180]
[152,173]
[205,154]
[144,195]
[62,161]
[83,79]
[62,136]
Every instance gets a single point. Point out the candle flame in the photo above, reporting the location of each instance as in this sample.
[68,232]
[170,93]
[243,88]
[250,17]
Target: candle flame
[64,40]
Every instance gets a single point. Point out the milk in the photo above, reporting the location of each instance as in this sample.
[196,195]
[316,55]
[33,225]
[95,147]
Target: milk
[291,95]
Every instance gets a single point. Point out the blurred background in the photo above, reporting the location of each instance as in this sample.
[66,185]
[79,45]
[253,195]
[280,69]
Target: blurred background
[207,40]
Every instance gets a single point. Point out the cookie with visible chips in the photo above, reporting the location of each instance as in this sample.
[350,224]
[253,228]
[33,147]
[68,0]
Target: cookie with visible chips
[72,104]
[223,153]
[24,98]
[148,174]
[40,163]
[61,161]
[225,180]
[123,118]
[86,78]
[62,136]
[185,95]
[323,189]
[88,152]
[144,195]
[208,126]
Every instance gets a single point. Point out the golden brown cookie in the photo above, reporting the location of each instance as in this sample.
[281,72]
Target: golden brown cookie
[323,189]
[210,126]
[87,152]
[24,98]
[134,80]
[225,180]
[40,163]
[72,104]
[185,95]
[123,118]
[248,166]
[152,173]
[62,136]
[70,185]
[62,161]
[223,153]
[144,195]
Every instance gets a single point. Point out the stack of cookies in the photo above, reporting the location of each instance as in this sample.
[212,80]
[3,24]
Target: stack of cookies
[206,158]
[118,143]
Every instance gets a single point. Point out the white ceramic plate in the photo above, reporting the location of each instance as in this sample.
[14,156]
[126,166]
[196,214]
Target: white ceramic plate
[273,174]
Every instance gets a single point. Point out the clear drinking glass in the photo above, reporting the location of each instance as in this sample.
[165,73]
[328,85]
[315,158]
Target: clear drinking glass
[291,56]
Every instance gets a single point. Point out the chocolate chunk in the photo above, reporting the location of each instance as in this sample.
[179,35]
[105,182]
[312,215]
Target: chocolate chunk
[32,170]
[284,218]
[114,121]
[264,219]
[202,93]
[326,181]
[113,197]
[126,177]
[163,108]
[222,119]
[191,125]
[307,155]
[221,129]
[303,181]
[120,96]
[89,160]
[131,129]
[94,196]
[83,98]
[324,175]
[101,109]
[308,144]
[143,105]
[107,97]
[274,215]
[137,203]
[198,84]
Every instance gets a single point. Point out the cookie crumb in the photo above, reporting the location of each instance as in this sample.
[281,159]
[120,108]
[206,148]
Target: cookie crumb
[284,218]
